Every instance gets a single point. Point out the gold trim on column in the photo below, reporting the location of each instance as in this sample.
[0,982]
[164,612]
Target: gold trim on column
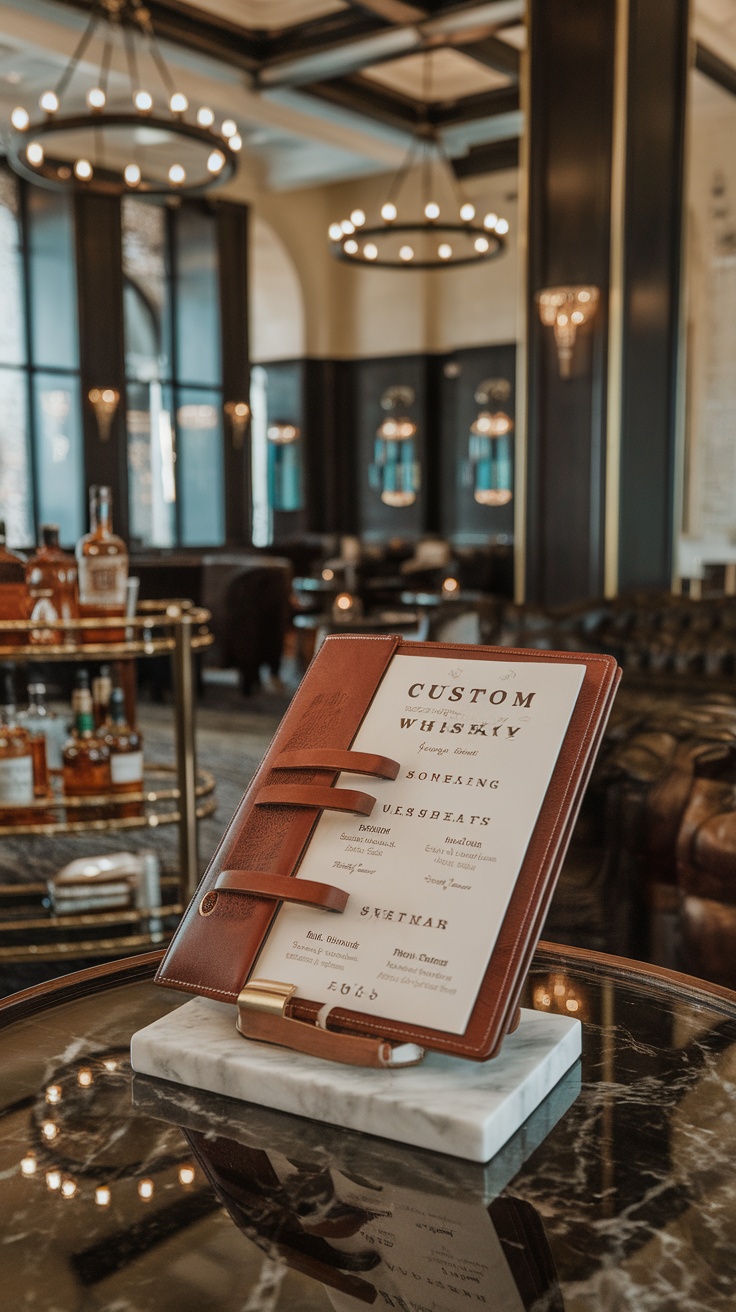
[681,506]
[522,334]
[614,404]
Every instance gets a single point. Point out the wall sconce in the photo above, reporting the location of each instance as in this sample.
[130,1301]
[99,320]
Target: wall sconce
[238,412]
[395,471]
[104,402]
[284,466]
[490,445]
[565,309]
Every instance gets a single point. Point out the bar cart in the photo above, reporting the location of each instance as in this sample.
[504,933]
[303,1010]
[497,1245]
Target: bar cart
[177,794]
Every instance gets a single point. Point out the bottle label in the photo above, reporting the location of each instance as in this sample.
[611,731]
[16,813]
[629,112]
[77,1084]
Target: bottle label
[102,581]
[16,780]
[126,767]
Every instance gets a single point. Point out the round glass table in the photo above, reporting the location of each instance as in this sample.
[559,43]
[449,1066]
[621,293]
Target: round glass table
[123,1194]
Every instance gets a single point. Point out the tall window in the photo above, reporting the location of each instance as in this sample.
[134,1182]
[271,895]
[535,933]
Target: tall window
[40,423]
[173,367]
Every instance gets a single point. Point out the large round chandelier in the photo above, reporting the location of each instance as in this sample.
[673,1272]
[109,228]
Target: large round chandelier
[142,139]
[442,232]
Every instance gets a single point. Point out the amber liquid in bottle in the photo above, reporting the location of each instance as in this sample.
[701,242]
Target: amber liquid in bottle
[16,763]
[85,762]
[13,594]
[102,565]
[51,580]
[101,693]
[126,756]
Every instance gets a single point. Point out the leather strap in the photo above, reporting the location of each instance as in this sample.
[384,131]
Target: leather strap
[337,758]
[282,888]
[329,799]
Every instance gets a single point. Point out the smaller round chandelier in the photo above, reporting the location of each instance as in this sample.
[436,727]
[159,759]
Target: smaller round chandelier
[137,141]
[445,233]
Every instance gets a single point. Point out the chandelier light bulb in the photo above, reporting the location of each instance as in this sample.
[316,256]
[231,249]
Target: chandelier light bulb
[481,245]
[34,153]
[334,232]
[351,247]
[20,118]
[49,1130]
[347,227]
[49,102]
[145,1190]
[53,1093]
[29,1164]
[68,1189]
[85,1078]
[467,212]
[205,117]
[229,127]
[236,141]
[432,210]
[143,101]
[53,1180]
[96,98]
[502,227]
[357,218]
[186,1174]
[132,175]
[102,1195]
[83,170]
[177,174]
[178,104]
[490,221]
[445,251]
[406,253]
[216,161]
[388,211]
[370,250]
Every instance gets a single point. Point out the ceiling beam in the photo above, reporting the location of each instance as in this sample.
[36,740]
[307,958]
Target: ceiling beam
[492,157]
[361,97]
[723,74]
[494,53]
[392,11]
[486,104]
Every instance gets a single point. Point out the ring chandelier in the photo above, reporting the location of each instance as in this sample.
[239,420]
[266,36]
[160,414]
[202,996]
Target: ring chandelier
[118,144]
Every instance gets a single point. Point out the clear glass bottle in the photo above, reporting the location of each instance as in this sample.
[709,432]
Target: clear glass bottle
[101,692]
[85,761]
[38,718]
[13,593]
[16,761]
[51,580]
[126,755]
[102,565]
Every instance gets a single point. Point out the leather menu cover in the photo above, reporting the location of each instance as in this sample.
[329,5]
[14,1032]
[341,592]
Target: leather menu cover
[222,933]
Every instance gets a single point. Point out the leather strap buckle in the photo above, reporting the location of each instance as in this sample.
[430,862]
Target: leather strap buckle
[318,796]
[282,888]
[263,1015]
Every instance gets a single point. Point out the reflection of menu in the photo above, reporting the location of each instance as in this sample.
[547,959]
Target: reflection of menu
[431,872]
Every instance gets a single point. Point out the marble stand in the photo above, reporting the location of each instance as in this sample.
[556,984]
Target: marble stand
[467,1109]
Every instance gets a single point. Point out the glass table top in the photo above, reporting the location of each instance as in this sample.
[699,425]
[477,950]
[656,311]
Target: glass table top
[124,1194]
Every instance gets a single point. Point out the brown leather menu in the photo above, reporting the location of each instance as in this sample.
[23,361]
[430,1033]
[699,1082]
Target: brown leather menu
[392,862]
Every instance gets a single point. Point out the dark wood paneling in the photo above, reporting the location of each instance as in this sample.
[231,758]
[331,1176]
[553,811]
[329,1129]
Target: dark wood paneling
[329,423]
[490,158]
[101,344]
[232,248]
[654,202]
[570,142]
[461,517]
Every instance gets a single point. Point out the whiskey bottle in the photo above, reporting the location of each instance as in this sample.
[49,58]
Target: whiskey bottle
[126,755]
[51,580]
[102,563]
[13,595]
[85,761]
[101,692]
[16,761]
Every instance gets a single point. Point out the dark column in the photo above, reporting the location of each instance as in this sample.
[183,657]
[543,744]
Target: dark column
[232,245]
[101,344]
[570,138]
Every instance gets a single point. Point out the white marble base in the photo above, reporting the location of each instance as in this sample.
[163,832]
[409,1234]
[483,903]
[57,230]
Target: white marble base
[467,1109]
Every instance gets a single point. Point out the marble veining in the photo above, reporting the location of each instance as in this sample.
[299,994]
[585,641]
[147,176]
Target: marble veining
[466,1109]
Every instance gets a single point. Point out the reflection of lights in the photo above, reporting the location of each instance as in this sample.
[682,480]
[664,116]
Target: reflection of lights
[109,1064]
[53,1180]
[68,1188]
[49,1130]
[102,1195]
[559,990]
[29,1165]
[145,1190]
[344,601]
[328,575]
[561,995]
[53,1093]
[572,1004]
[85,1077]
[186,1174]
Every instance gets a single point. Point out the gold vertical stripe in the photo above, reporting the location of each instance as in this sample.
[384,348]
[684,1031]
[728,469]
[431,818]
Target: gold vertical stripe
[614,407]
[522,334]
[680,489]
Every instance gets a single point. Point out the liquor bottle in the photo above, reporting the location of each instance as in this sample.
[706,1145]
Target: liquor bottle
[39,719]
[16,761]
[101,690]
[102,563]
[85,761]
[13,594]
[126,755]
[51,580]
